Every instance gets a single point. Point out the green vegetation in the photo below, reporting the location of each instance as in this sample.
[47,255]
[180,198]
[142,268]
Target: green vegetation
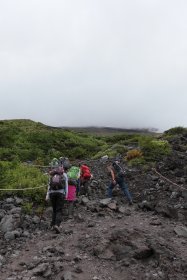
[30,141]
[154,149]
[27,207]
[16,176]
[176,131]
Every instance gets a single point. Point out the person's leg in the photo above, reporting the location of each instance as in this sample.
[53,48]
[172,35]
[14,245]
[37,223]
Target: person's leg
[89,192]
[83,187]
[59,207]
[53,204]
[86,187]
[109,190]
[72,198]
[71,209]
[125,190]
[78,187]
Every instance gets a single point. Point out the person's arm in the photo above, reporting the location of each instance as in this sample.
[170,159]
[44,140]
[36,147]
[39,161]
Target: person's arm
[79,174]
[113,177]
[110,169]
[66,185]
[47,194]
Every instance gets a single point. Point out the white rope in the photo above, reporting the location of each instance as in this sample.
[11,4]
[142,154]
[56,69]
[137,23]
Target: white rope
[37,165]
[168,179]
[22,189]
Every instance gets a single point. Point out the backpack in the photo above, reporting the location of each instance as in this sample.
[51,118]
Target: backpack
[118,170]
[73,175]
[57,180]
[73,172]
[85,172]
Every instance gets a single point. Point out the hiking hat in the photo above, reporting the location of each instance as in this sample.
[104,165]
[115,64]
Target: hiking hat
[54,162]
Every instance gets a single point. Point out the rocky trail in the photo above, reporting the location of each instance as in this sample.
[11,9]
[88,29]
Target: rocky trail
[106,239]
[131,244]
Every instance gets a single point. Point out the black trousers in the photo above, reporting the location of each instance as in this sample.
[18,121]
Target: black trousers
[85,187]
[57,202]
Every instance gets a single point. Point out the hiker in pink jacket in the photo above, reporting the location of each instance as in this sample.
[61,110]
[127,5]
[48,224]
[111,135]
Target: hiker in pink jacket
[73,177]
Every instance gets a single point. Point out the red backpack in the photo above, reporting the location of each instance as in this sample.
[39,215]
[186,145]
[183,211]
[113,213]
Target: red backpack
[85,172]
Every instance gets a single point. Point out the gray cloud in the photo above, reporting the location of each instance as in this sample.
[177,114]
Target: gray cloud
[106,63]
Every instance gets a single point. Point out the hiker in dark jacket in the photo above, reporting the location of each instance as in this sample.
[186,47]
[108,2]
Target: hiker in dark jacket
[117,178]
[57,197]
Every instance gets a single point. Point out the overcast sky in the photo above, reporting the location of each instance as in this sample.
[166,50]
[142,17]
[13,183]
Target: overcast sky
[119,63]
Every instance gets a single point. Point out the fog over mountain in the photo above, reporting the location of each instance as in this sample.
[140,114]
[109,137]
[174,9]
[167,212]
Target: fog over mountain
[94,63]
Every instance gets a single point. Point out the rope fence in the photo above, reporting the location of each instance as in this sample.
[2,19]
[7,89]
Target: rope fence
[37,165]
[166,179]
[25,189]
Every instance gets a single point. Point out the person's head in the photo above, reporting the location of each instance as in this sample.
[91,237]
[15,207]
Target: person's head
[67,167]
[66,164]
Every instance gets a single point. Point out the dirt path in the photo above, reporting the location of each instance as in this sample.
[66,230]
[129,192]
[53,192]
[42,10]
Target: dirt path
[109,246]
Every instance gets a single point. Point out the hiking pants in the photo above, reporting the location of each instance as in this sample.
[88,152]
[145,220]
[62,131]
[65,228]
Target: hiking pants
[57,202]
[70,208]
[123,186]
[78,187]
[85,187]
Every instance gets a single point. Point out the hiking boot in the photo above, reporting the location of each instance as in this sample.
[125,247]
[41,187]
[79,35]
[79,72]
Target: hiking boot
[131,202]
[70,217]
[57,229]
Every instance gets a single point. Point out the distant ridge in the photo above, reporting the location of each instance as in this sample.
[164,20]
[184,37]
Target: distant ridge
[28,123]
[109,130]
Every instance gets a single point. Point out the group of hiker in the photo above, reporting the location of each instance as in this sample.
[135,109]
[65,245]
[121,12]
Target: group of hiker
[67,182]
